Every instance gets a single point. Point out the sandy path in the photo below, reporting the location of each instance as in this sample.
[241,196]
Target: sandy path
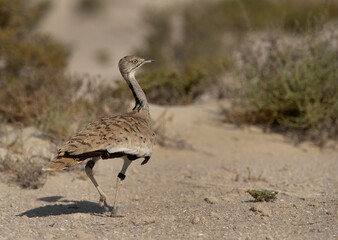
[165,199]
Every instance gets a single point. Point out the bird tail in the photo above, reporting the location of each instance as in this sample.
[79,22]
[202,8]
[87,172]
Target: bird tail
[61,163]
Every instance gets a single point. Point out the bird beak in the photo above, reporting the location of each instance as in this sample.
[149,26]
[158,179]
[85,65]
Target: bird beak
[149,61]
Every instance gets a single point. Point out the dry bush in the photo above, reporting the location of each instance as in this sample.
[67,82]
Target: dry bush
[26,173]
[34,89]
[296,87]
[18,165]
[31,63]
[20,46]
[50,102]
[263,195]
[194,44]
[168,87]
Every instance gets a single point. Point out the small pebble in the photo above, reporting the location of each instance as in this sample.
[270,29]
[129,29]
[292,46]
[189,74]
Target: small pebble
[136,198]
[196,220]
[262,209]
[211,200]
[329,213]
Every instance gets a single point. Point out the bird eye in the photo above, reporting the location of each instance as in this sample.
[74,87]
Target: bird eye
[135,61]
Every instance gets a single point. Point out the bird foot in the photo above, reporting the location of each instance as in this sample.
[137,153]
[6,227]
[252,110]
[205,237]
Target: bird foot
[114,213]
[104,204]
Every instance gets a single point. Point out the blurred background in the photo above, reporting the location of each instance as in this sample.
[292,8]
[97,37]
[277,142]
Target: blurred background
[273,62]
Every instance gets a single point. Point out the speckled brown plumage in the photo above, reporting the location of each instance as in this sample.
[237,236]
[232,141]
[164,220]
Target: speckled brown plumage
[128,136]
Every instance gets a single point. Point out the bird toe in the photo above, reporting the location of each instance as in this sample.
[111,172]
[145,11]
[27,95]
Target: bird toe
[114,213]
[104,204]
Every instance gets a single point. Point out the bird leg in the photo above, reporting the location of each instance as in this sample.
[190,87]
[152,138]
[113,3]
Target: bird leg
[120,177]
[89,171]
[118,184]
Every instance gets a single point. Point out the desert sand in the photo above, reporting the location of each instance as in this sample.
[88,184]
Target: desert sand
[193,189]
[197,191]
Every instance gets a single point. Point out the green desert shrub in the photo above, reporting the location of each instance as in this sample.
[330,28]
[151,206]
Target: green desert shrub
[201,26]
[296,88]
[302,15]
[32,63]
[20,47]
[34,89]
[163,86]
[204,34]
[49,101]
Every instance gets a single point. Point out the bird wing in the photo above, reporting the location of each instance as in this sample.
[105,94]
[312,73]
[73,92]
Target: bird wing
[128,133]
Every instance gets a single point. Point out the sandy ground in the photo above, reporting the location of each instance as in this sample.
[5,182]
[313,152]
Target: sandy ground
[197,193]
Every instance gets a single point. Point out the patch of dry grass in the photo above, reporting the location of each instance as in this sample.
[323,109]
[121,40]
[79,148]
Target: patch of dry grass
[263,195]
[52,102]
[25,172]
[34,90]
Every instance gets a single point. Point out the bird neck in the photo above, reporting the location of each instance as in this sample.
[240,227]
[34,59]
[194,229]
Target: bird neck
[141,102]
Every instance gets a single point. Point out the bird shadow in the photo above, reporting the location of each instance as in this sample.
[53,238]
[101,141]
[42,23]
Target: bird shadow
[63,207]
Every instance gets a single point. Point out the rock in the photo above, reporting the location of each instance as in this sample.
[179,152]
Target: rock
[136,198]
[196,220]
[262,209]
[329,212]
[51,224]
[3,152]
[211,200]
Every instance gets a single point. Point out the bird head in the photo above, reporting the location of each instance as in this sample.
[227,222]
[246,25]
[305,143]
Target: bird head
[130,64]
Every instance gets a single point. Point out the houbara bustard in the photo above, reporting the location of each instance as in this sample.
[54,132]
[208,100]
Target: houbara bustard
[128,136]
